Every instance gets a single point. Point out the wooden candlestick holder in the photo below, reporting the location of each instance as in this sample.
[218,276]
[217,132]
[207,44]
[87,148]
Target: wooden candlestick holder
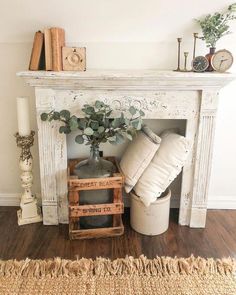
[30,212]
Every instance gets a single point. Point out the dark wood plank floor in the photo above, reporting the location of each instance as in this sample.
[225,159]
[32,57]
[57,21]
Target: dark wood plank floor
[218,239]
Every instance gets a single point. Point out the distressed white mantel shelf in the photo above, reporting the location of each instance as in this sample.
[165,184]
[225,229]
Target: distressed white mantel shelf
[161,94]
[138,79]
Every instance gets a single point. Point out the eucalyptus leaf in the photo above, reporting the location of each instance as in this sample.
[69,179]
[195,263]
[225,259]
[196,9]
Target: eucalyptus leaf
[67,130]
[122,118]
[135,123]
[73,123]
[44,116]
[56,116]
[101,129]
[139,125]
[79,139]
[232,7]
[116,122]
[96,134]
[82,124]
[127,121]
[120,138]
[61,129]
[106,123]
[97,117]
[141,113]
[65,114]
[64,129]
[89,110]
[88,131]
[94,125]
[99,104]
[132,110]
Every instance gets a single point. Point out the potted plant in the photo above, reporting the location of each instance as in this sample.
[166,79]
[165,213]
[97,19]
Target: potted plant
[94,128]
[215,27]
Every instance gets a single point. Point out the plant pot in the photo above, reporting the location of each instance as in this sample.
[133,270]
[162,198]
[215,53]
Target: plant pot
[209,57]
[95,167]
[152,220]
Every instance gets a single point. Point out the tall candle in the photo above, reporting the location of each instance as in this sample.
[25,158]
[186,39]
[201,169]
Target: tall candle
[23,116]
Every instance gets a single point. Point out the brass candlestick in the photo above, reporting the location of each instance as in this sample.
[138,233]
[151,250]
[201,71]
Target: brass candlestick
[185,62]
[179,43]
[195,35]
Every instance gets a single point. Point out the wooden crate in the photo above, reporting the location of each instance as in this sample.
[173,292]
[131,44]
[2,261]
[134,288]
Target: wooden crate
[75,185]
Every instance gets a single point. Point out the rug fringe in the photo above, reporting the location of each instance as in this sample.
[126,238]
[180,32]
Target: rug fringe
[159,266]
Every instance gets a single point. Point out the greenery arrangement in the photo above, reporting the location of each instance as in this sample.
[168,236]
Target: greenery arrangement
[216,26]
[97,127]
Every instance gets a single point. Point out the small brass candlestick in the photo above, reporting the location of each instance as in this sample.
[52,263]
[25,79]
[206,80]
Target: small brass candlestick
[185,60]
[185,63]
[29,212]
[195,35]
[179,43]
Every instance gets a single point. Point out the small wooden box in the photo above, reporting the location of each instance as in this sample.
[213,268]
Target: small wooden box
[75,185]
[74,58]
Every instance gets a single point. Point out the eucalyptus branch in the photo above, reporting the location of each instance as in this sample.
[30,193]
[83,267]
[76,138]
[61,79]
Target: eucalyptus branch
[97,126]
[216,26]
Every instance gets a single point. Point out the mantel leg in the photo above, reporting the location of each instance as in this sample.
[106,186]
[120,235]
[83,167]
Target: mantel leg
[53,163]
[188,172]
[203,160]
[47,139]
[53,172]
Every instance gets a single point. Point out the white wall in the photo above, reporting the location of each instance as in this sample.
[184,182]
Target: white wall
[118,34]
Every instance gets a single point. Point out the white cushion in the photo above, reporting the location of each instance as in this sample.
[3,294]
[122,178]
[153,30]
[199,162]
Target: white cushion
[138,155]
[164,167]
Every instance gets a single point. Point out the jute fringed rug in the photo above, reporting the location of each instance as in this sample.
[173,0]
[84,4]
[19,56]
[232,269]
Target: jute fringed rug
[128,276]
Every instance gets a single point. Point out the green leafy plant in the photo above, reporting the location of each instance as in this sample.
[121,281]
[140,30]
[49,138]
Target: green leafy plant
[216,26]
[97,126]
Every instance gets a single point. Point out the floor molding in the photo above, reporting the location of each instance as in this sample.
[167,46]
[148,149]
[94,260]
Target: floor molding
[12,199]
[217,202]
[222,202]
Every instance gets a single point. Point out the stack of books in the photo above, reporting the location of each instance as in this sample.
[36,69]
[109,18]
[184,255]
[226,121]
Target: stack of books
[47,50]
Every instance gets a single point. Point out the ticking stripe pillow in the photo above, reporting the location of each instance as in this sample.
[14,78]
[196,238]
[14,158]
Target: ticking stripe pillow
[138,156]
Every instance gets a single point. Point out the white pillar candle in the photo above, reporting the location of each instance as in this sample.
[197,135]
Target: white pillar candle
[23,116]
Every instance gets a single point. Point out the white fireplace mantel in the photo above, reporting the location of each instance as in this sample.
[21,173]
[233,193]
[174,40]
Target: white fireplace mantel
[161,94]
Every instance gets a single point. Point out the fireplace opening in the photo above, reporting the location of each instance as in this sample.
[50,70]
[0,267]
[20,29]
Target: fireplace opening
[75,150]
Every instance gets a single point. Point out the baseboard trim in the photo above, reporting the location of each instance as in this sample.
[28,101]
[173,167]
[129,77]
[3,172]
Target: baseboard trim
[222,202]
[217,202]
[13,199]
[10,199]
[174,201]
